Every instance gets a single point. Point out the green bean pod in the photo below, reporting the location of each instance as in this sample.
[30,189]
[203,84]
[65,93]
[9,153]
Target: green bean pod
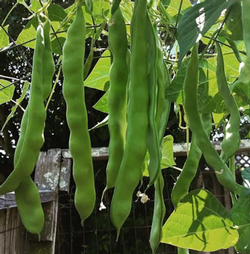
[223,173]
[158,215]
[136,138]
[161,118]
[73,91]
[30,144]
[245,8]
[187,175]
[152,135]
[27,194]
[29,206]
[117,98]
[231,141]
[48,62]
[243,79]
[190,167]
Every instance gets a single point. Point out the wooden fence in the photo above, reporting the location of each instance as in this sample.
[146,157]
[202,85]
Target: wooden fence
[52,175]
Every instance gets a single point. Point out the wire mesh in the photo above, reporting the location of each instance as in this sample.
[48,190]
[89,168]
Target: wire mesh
[98,236]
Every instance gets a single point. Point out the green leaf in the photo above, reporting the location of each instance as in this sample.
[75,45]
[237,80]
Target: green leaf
[167,159]
[201,223]
[197,21]
[102,104]
[4,39]
[6,91]
[28,34]
[35,5]
[18,102]
[217,117]
[173,9]
[240,217]
[167,152]
[56,15]
[209,99]
[100,12]
[245,174]
[99,76]
[234,22]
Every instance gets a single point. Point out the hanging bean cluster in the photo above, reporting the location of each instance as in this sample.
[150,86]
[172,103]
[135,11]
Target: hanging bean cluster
[138,115]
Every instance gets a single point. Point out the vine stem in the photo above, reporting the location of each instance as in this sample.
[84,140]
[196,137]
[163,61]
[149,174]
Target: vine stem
[13,7]
[54,86]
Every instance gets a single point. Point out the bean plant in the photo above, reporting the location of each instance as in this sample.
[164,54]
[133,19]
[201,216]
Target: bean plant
[193,56]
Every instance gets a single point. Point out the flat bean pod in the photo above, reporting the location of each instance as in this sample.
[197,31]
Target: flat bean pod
[153,132]
[161,118]
[136,142]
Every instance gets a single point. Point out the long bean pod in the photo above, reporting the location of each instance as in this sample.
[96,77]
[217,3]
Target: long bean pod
[231,140]
[27,194]
[117,98]
[152,135]
[136,142]
[73,91]
[223,173]
[243,79]
[30,144]
[161,118]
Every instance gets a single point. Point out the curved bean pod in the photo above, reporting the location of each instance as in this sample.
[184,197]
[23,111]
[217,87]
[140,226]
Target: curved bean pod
[223,173]
[231,141]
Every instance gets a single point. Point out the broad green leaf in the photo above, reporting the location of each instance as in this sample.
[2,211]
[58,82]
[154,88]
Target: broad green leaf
[28,34]
[35,5]
[174,6]
[208,98]
[231,63]
[99,76]
[167,155]
[57,43]
[197,21]
[126,8]
[234,22]
[100,12]
[240,217]
[167,152]
[102,104]
[18,102]
[201,223]
[176,86]
[4,38]
[56,15]
[6,91]
[217,117]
